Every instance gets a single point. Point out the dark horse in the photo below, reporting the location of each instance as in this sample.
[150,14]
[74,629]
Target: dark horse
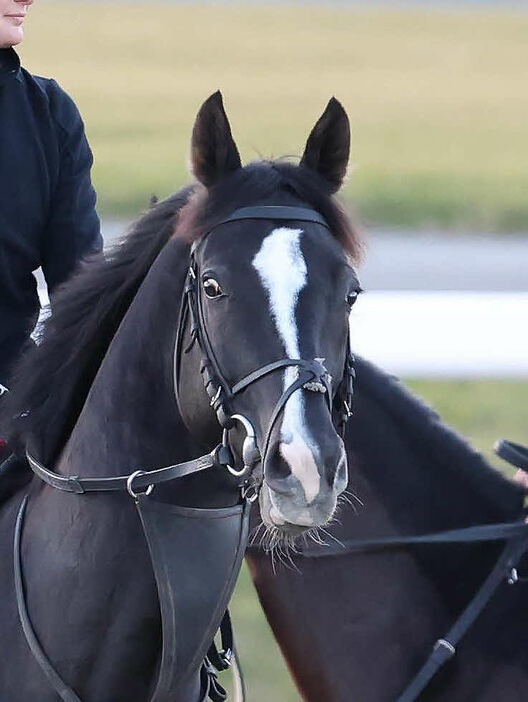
[97,398]
[359,626]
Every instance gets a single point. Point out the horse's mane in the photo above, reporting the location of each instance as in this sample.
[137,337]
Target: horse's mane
[51,382]
[439,443]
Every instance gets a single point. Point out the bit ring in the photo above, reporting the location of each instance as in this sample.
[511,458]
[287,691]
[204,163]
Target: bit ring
[249,447]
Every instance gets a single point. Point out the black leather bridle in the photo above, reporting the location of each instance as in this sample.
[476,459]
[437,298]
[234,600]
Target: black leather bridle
[312,375]
[515,536]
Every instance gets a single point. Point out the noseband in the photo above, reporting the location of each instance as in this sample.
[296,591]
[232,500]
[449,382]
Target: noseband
[311,374]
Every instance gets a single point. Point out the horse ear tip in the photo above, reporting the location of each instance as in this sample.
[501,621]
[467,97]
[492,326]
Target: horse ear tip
[214,101]
[217,97]
[336,105]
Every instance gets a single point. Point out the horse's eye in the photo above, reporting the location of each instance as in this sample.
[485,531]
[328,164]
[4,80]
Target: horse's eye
[351,298]
[212,288]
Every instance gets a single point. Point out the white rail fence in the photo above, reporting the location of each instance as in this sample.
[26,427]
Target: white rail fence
[443,334]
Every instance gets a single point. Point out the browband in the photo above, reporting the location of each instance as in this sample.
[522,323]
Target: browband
[269,212]
[299,214]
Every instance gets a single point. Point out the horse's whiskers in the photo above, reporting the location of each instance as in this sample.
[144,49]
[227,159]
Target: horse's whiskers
[345,500]
[334,538]
[351,494]
[255,533]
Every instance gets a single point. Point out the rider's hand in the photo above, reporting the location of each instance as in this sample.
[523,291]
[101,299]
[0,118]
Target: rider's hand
[521,477]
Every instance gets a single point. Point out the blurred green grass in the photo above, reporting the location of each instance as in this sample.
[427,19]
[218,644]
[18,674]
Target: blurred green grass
[437,99]
[482,411]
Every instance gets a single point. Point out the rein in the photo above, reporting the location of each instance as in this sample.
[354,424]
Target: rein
[159,519]
[514,533]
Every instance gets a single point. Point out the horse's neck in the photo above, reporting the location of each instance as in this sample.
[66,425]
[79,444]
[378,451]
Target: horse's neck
[425,475]
[416,476]
[130,418]
[413,476]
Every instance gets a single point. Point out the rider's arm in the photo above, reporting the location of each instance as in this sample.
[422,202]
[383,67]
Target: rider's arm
[73,229]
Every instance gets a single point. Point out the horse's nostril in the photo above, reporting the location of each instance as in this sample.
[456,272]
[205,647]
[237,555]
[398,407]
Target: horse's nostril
[276,467]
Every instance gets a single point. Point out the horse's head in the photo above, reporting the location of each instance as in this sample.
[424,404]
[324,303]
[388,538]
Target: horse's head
[272,283]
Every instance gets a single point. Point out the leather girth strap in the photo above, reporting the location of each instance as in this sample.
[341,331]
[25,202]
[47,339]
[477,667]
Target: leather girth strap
[57,683]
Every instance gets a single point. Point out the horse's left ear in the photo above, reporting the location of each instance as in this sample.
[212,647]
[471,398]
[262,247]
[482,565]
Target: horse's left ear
[328,146]
[213,151]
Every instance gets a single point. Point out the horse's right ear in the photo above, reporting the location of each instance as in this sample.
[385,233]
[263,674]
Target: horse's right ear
[213,151]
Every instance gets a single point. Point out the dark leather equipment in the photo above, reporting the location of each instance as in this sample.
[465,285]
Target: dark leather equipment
[515,536]
[196,554]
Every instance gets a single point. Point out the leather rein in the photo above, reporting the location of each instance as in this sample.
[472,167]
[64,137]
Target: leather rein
[515,534]
[312,376]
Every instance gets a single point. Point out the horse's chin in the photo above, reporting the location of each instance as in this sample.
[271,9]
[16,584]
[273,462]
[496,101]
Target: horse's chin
[274,520]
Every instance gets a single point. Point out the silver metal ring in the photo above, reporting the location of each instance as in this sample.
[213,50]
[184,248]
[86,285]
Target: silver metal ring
[248,495]
[249,447]
[445,644]
[514,576]
[131,479]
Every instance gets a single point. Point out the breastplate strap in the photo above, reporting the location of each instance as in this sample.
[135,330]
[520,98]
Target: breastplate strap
[196,556]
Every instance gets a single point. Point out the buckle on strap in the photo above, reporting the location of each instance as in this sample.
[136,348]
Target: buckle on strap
[250,489]
[75,485]
[447,648]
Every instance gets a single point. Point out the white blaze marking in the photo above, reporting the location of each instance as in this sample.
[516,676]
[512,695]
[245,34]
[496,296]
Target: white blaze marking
[282,270]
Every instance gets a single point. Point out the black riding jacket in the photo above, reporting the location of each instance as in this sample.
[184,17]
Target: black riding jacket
[47,202]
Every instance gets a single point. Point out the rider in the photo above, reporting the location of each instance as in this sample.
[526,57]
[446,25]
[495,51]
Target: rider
[47,202]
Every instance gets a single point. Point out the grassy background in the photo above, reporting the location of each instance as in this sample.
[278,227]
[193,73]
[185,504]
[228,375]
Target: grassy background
[481,410]
[437,99]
